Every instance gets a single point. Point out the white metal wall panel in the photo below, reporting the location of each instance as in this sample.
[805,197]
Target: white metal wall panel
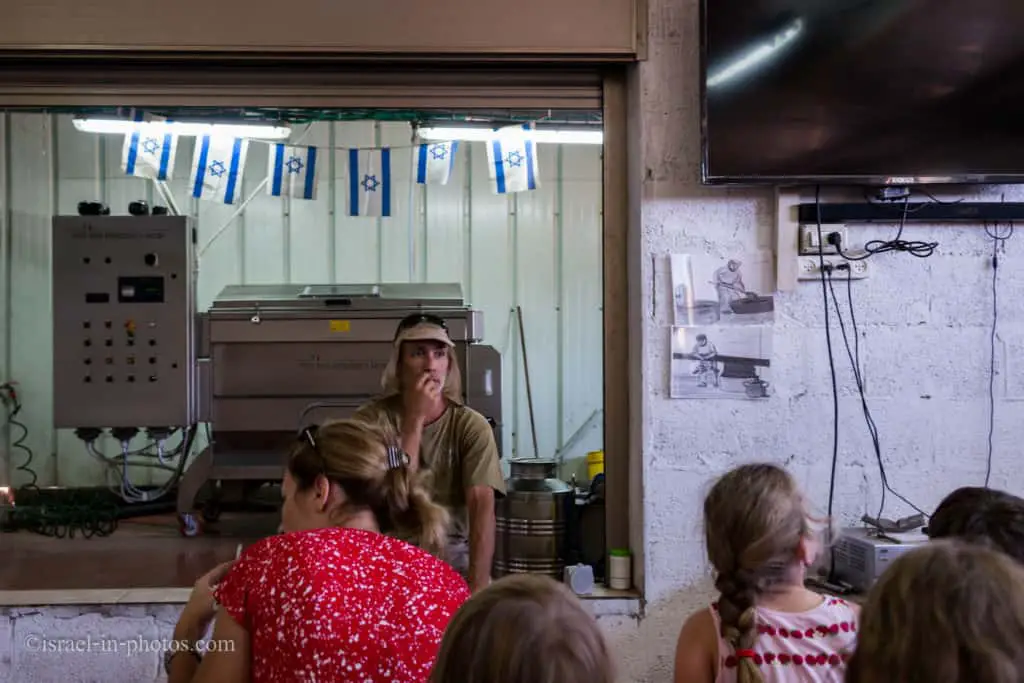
[540,250]
[4,245]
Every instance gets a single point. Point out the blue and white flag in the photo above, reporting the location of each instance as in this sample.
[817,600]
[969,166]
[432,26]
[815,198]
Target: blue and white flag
[369,182]
[217,166]
[434,162]
[512,159]
[149,152]
[293,171]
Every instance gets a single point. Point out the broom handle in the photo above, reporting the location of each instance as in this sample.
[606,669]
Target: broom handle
[526,371]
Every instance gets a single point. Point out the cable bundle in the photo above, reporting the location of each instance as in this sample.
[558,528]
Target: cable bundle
[71,512]
[64,513]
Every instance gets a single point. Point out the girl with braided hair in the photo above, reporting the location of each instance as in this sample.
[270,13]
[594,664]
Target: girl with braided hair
[765,627]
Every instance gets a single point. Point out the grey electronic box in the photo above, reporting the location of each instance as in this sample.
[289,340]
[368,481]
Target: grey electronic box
[123,321]
[862,555]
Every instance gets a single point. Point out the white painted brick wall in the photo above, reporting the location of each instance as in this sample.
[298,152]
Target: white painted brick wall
[924,351]
[6,647]
[120,637]
[85,644]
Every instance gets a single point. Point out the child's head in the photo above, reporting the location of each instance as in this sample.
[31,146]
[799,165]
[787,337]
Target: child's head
[759,537]
[978,515]
[947,612]
[523,628]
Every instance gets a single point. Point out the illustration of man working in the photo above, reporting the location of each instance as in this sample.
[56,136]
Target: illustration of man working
[707,365]
[728,281]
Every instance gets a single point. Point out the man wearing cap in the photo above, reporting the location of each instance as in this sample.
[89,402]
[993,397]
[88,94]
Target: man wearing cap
[451,445]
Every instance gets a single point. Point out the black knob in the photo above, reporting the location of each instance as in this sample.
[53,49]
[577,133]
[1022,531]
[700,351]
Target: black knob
[93,209]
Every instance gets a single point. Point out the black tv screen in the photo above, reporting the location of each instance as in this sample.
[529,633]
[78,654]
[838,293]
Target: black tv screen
[862,91]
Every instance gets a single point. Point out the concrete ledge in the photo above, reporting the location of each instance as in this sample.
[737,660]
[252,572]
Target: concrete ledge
[147,596]
[98,596]
[616,607]
[604,593]
[605,602]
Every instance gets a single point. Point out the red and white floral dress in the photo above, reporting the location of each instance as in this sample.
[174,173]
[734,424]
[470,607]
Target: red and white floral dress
[796,647]
[341,605]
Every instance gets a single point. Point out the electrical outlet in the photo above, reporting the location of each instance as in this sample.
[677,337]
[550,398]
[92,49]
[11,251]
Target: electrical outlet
[809,268]
[809,240]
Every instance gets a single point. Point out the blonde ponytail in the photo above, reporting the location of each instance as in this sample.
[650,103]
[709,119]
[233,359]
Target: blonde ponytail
[365,460]
[414,516]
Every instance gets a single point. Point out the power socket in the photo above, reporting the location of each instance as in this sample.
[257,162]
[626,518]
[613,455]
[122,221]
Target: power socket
[809,240]
[809,268]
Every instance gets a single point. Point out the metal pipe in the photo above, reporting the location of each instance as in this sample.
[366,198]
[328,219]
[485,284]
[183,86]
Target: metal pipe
[526,373]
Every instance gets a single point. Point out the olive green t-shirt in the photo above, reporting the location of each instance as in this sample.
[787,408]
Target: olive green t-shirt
[457,451]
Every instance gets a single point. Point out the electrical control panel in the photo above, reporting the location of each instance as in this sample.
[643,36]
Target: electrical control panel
[123,321]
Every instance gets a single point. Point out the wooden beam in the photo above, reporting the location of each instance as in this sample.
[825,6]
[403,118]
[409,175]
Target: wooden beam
[616,313]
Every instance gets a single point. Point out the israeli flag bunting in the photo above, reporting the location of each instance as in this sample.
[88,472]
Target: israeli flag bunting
[149,150]
[434,162]
[217,167]
[512,159]
[369,182]
[293,171]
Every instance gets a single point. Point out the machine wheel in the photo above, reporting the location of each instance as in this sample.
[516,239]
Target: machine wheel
[211,511]
[189,525]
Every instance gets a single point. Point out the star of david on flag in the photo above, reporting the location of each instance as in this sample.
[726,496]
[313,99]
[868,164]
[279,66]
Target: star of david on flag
[512,159]
[293,171]
[218,164]
[369,182]
[434,162]
[149,150]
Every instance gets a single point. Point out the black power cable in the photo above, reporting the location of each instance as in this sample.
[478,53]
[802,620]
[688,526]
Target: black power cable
[67,512]
[916,248]
[913,247]
[12,401]
[854,355]
[998,242]
[835,386]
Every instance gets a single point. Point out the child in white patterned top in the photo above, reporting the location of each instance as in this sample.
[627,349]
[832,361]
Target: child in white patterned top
[765,627]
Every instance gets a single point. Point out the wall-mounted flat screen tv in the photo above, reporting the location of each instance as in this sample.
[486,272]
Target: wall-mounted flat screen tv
[870,92]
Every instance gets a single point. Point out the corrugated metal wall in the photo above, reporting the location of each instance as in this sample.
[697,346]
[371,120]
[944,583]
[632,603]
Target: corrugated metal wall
[540,250]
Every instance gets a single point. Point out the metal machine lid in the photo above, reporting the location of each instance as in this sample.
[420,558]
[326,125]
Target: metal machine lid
[349,297]
[533,468]
[329,291]
[530,477]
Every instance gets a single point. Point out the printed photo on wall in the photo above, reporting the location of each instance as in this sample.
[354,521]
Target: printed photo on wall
[721,362]
[707,290]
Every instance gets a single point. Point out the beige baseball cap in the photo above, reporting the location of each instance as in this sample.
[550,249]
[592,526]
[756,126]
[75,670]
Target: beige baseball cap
[423,327]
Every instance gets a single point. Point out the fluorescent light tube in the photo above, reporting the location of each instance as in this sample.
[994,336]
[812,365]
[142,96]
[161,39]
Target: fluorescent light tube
[542,135]
[758,55]
[240,130]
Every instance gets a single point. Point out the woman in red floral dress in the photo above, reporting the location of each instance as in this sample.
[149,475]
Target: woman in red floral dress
[337,597]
